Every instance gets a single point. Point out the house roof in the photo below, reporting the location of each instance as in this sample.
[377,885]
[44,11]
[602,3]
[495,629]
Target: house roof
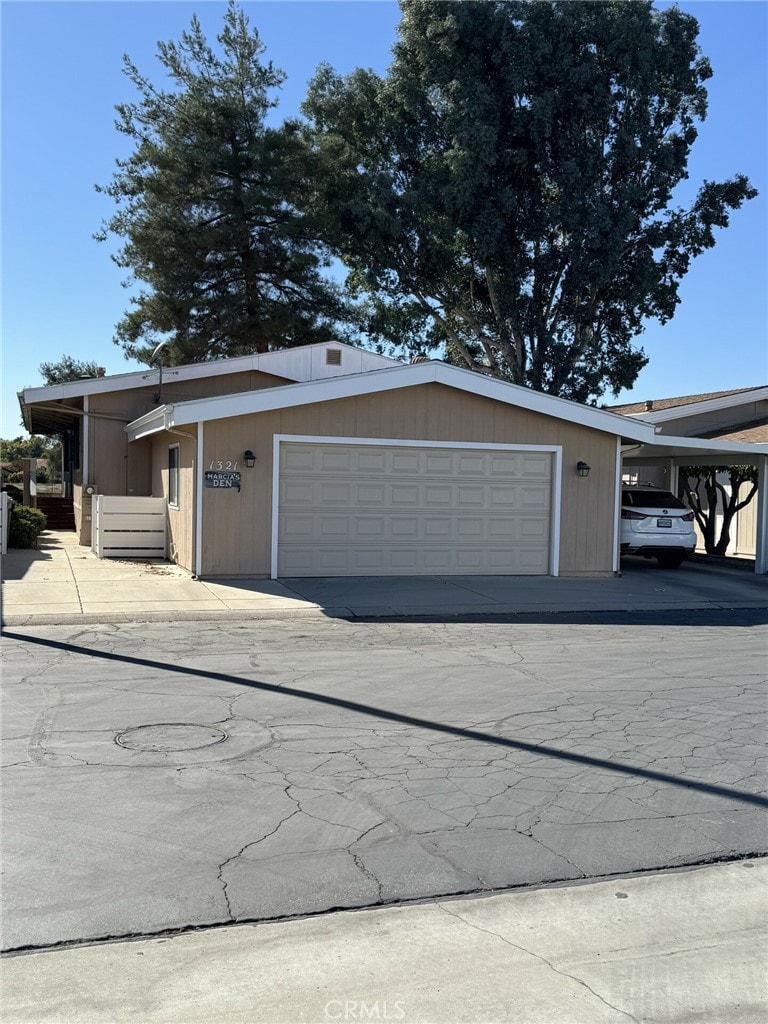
[695,405]
[399,376]
[659,404]
[306,362]
[753,432]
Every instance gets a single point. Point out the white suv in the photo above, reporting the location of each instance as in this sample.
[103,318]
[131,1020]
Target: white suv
[656,524]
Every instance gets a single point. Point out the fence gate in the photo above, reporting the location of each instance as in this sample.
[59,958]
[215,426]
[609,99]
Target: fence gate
[128,527]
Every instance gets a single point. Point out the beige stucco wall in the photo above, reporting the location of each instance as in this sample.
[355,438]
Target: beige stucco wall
[237,525]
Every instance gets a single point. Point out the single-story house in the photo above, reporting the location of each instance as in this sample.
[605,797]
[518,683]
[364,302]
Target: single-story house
[739,415]
[332,461]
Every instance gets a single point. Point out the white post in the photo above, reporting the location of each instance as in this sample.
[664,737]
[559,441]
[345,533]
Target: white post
[672,475]
[617,509]
[86,442]
[96,525]
[199,503]
[761,541]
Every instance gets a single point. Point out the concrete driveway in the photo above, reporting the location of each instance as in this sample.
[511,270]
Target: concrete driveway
[64,583]
[162,776]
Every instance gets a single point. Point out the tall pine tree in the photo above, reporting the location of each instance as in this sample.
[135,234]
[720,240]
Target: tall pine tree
[207,208]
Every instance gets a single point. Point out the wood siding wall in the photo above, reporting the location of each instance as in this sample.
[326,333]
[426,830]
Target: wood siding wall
[118,467]
[181,520]
[237,525]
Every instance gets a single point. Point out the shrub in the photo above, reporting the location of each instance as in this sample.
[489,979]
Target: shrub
[25,526]
[14,492]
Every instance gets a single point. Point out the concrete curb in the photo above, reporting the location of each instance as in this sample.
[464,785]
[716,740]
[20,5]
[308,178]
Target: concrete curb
[362,614]
[683,946]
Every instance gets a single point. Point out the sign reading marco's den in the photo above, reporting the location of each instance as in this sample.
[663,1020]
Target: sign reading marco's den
[215,478]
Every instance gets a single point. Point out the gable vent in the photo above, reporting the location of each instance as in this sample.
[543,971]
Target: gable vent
[333,357]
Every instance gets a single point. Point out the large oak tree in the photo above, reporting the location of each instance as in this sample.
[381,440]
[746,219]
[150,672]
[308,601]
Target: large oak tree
[507,188]
[209,212]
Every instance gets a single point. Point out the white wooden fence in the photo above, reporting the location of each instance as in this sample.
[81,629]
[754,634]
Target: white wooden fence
[5,513]
[128,527]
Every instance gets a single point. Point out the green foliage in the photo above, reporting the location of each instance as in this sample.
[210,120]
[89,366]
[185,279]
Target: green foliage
[25,526]
[34,447]
[507,188]
[68,369]
[15,493]
[717,500]
[208,208]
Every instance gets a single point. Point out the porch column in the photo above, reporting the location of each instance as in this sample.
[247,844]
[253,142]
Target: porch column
[29,484]
[761,545]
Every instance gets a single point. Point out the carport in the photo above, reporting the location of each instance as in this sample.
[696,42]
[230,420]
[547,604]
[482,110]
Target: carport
[674,452]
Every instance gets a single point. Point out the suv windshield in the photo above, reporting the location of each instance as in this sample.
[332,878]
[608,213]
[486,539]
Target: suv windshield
[651,499]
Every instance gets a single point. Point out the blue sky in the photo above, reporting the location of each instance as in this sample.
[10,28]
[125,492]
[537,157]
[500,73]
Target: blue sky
[62,76]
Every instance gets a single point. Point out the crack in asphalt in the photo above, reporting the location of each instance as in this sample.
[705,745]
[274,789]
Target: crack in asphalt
[393,782]
[240,852]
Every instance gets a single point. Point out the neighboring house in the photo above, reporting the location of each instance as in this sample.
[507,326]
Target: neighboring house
[728,416]
[328,460]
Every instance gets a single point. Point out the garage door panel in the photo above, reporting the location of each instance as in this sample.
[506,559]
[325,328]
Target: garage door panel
[438,527]
[471,464]
[339,461]
[470,527]
[388,495]
[371,462]
[402,495]
[322,559]
[405,462]
[534,528]
[367,494]
[432,496]
[298,458]
[535,497]
[404,526]
[403,560]
[297,493]
[536,465]
[369,510]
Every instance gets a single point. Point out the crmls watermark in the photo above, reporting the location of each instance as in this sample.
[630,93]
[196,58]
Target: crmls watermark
[359,1009]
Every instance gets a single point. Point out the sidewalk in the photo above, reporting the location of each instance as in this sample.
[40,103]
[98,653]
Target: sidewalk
[63,583]
[678,947]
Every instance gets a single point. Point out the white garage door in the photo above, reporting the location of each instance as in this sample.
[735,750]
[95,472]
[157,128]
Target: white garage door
[369,510]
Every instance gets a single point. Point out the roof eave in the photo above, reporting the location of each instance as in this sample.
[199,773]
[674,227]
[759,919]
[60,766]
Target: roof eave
[731,452]
[679,412]
[153,422]
[389,379]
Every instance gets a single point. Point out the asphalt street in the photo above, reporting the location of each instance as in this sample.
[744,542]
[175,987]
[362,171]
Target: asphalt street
[165,776]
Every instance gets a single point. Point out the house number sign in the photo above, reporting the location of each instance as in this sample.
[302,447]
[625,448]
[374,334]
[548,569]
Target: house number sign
[222,478]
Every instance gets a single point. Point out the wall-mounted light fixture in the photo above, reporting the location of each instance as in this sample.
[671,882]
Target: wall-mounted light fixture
[582,469]
[250,459]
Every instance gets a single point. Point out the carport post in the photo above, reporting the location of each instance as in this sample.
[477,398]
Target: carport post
[673,483]
[761,545]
